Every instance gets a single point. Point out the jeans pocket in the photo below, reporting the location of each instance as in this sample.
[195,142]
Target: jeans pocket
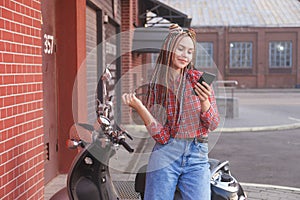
[200,147]
[203,147]
[159,146]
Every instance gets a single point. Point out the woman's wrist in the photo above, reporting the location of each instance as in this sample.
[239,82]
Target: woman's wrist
[205,105]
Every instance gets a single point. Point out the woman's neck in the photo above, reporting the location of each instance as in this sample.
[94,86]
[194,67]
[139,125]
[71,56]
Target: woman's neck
[175,73]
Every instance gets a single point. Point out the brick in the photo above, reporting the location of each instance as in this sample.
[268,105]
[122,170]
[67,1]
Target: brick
[19,19]
[8,101]
[30,97]
[27,21]
[37,42]
[9,79]
[7,58]
[27,40]
[29,78]
[18,38]
[2,24]
[10,144]
[31,154]
[8,123]
[37,59]
[20,119]
[29,59]
[2,113]
[27,10]
[1,171]
[36,5]
[20,99]
[3,158]
[7,14]
[9,112]
[2,91]
[11,186]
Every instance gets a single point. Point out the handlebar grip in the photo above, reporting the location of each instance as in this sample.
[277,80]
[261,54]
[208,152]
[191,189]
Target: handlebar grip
[126,146]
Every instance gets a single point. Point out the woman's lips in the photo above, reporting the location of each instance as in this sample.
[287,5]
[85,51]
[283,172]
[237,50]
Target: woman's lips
[182,60]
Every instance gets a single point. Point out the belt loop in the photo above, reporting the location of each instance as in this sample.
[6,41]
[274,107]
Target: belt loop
[195,140]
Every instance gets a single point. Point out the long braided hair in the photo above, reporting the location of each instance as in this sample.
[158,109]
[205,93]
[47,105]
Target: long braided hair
[159,85]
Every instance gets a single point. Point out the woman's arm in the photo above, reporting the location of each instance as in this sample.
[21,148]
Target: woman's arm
[132,101]
[159,132]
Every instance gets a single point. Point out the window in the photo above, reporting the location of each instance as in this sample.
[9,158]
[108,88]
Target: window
[204,54]
[280,54]
[240,55]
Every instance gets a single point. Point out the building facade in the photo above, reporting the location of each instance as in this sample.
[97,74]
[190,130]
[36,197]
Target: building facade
[52,55]
[256,57]
[253,42]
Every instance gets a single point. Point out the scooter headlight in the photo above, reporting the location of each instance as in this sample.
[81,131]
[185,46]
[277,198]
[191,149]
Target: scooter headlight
[242,198]
[226,168]
[234,197]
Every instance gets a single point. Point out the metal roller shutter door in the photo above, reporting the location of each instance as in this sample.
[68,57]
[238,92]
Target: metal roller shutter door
[91,62]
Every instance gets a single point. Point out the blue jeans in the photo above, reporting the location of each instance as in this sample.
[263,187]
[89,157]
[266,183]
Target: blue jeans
[182,163]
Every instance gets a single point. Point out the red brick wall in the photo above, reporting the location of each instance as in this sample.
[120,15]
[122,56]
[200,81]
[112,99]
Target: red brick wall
[21,101]
[126,59]
[129,16]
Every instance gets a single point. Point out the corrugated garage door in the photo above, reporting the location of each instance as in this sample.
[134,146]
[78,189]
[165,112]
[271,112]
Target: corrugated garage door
[91,62]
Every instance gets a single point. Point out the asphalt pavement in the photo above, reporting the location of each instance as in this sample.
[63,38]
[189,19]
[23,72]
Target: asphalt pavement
[258,110]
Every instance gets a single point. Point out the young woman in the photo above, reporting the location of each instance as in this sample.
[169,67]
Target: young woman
[179,114]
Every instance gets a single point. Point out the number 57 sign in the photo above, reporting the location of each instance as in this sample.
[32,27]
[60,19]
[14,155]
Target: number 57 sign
[48,44]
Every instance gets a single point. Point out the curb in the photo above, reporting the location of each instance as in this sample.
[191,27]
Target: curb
[260,128]
[234,129]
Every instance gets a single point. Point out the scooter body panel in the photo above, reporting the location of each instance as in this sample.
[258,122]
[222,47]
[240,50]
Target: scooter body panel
[89,177]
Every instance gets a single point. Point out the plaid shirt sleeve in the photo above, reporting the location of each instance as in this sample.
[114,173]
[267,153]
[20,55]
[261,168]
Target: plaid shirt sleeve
[210,119]
[160,133]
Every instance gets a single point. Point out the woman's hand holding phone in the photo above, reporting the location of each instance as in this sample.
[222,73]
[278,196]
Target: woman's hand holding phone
[202,88]
[203,91]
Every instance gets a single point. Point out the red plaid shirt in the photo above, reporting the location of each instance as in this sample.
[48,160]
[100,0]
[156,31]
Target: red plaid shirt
[193,122]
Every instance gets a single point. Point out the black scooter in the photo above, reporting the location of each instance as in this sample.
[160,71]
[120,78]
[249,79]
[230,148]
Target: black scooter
[89,176]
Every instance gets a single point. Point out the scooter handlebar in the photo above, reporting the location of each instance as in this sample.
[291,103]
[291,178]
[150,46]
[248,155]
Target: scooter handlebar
[126,146]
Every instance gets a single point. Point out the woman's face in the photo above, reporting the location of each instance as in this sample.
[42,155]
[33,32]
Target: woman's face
[183,53]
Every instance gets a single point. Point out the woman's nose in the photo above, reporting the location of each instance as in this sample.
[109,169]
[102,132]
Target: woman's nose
[184,54]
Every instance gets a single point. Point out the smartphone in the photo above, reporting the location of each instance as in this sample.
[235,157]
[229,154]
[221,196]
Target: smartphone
[207,78]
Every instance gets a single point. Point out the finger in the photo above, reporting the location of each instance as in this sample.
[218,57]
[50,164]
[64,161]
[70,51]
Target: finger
[124,98]
[127,99]
[199,92]
[131,96]
[208,87]
[205,88]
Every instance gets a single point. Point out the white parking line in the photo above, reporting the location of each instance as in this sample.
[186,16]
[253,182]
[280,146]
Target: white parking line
[270,186]
[295,119]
